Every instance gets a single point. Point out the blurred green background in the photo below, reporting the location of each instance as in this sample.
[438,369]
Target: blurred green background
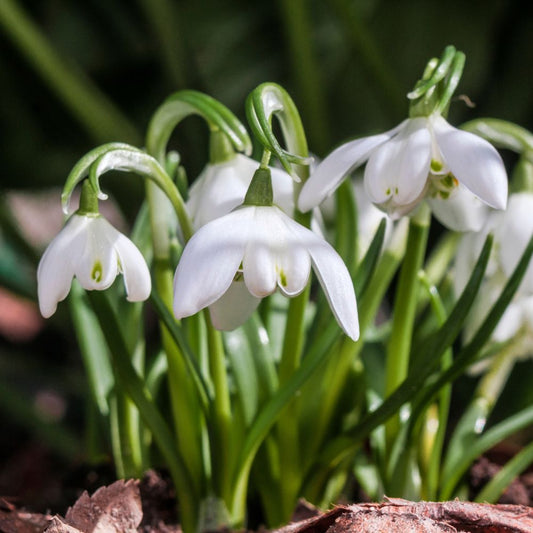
[347,64]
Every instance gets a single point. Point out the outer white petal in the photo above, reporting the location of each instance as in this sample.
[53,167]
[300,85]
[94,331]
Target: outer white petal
[473,161]
[514,233]
[397,172]
[461,211]
[283,189]
[55,271]
[209,262]
[234,307]
[330,172]
[97,266]
[334,278]
[134,268]
[219,189]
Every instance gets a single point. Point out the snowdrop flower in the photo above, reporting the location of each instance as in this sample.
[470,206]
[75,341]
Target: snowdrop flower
[512,230]
[424,157]
[265,249]
[221,187]
[91,249]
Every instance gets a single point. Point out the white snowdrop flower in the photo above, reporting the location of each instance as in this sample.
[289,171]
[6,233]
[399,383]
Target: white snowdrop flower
[93,251]
[268,250]
[221,187]
[422,158]
[512,230]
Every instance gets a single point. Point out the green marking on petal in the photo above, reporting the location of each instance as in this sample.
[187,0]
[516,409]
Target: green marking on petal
[436,166]
[282,278]
[387,191]
[396,190]
[97,271]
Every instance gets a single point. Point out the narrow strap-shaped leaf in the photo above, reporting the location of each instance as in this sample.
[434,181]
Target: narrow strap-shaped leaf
[494,488]
[490,438]
[139,393]
[271,411]
[368,265]
[204,390]
[433,351]
[93,349]
[346,225]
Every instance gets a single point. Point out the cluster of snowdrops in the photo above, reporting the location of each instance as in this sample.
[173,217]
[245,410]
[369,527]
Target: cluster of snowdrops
[263,388]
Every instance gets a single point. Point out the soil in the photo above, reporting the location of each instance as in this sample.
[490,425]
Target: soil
[147,506]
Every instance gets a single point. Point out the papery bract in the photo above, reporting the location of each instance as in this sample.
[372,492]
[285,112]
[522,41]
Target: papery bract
[92,250]
[423,157]
[270,251]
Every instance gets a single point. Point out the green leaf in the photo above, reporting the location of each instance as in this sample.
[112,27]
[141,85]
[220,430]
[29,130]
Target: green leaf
[204,390]
[93,348]
[495,487]
[187,488]
[433,350]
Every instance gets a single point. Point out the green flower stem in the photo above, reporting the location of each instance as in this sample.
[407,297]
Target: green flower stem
[184,401]
[221,411]
[306,72]
[87,103]
[405,310]
[435,417]
[287,429]
[220,147]
[139,393]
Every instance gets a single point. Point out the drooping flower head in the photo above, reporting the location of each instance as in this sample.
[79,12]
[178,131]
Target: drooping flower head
[424,157]
[269,251]
[92,250]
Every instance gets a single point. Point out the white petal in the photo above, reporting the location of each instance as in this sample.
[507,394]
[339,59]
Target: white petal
[283,189]
[473,161]
[294,265]
[509,323]
[133,266]
[514,233]
[330,172]
[233,308]
[267,241]
[55,271]
[97,266]
[209,262]
[397,172]
[219,189]
[334,278]
[461,211]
